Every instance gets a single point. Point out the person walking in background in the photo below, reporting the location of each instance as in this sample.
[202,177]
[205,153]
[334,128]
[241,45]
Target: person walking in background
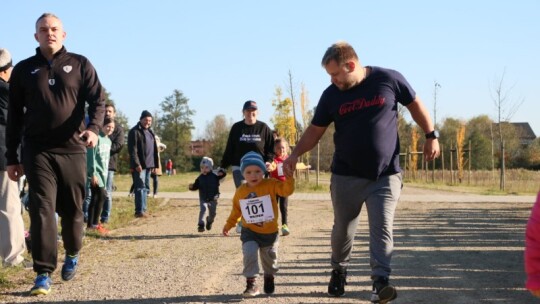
[208,185]
[247,135]
[143,159]
[168,167]
[48,94]
[281,150]
[12,242]
[117,143]
[532,250]
[362,103]
[97,160]
[157,172]
[255,202]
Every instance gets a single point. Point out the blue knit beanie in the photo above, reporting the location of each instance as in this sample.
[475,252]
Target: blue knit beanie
[252,158]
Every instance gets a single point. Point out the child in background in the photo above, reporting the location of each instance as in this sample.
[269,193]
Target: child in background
[208,185]
[532,250]
[281,148]
[255,202]
[97,162]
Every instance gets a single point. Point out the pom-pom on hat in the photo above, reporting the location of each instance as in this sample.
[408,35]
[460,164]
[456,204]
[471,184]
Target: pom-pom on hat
[207,162]
[145,114]
[252,159]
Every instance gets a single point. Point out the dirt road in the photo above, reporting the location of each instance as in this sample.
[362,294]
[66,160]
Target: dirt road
[446,252]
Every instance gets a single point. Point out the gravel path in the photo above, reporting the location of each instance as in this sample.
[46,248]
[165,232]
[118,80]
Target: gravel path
[446,252]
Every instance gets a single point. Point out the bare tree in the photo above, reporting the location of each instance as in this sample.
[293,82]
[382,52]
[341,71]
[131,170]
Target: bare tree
[506,107]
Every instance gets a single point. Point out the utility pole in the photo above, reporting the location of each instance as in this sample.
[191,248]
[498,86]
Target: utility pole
[437,85]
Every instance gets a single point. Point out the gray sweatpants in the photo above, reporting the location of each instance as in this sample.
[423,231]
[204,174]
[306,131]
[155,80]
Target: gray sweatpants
[349,194]
[263,245]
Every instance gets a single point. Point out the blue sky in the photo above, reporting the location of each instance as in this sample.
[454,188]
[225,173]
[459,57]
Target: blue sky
[222,53]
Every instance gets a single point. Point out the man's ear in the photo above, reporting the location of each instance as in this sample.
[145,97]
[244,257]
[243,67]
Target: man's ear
[350,66]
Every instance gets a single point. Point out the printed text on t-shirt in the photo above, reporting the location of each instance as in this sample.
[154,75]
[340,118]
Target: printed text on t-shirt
[359,104]
[250,137]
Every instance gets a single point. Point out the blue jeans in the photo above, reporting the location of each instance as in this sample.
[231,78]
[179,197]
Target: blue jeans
[237,177]
[107,205]
[141,180]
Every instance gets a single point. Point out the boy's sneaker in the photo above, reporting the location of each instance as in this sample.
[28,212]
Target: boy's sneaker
[42,285]
[336,287]
[269,286]
[208,224]
[102,230]
[200,228]
[252,289]
[70,267]
[285,230]
[382,291]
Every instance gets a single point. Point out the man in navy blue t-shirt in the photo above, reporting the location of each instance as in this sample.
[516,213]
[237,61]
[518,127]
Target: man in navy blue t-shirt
[362,102]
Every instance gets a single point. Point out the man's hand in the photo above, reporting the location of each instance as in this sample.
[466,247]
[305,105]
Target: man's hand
[289,165]
[431,149]
[15,172]
[89,138]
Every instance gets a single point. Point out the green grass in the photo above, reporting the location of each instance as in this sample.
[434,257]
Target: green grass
[173,183]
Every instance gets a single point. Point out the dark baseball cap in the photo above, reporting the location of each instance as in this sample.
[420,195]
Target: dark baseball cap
[249,105]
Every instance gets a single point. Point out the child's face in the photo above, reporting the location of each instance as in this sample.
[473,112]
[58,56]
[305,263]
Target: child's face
[253,175]
[281,149]
[205,170]
[108,128]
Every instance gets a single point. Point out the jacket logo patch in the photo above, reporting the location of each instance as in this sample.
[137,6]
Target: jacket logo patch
[34,71]
[67,68]
[52,82]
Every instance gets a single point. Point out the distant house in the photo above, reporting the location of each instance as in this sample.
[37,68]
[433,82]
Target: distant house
[200,147]
[524,131]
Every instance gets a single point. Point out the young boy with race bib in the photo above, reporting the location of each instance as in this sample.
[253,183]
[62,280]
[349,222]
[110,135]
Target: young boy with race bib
[255,202]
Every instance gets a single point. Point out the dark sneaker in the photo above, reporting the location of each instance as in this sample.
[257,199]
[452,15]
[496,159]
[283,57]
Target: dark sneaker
[208,224]
[382,291]
[200,228]
[336,287]
[141,215]
[42,285]
[269,286]
[252,290]
[70,267]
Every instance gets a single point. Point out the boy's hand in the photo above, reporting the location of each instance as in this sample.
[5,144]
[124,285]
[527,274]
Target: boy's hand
[220,171]
[225,232]
[190,186]
[94,181]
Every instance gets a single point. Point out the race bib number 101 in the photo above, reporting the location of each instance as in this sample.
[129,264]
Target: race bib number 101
[257,210]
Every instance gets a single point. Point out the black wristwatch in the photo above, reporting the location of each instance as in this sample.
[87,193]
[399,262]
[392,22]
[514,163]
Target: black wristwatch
[432,135]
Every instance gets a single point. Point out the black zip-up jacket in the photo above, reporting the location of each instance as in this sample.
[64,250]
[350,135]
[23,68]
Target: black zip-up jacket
[47,101]
[208,186]
[137,148]
[4,98]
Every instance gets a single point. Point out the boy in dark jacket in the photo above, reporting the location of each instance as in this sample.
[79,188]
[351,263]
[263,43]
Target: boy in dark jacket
[208,185]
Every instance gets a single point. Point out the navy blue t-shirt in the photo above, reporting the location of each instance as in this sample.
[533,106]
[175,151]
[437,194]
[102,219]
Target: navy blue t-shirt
[365,117]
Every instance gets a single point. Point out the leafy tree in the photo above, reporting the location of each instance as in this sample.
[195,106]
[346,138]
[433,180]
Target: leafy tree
[175,126]
[217,132]
[479,132]
[283,119]
[448,132]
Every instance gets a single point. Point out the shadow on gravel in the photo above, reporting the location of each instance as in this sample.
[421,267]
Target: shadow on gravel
[160,237]
[455,255]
